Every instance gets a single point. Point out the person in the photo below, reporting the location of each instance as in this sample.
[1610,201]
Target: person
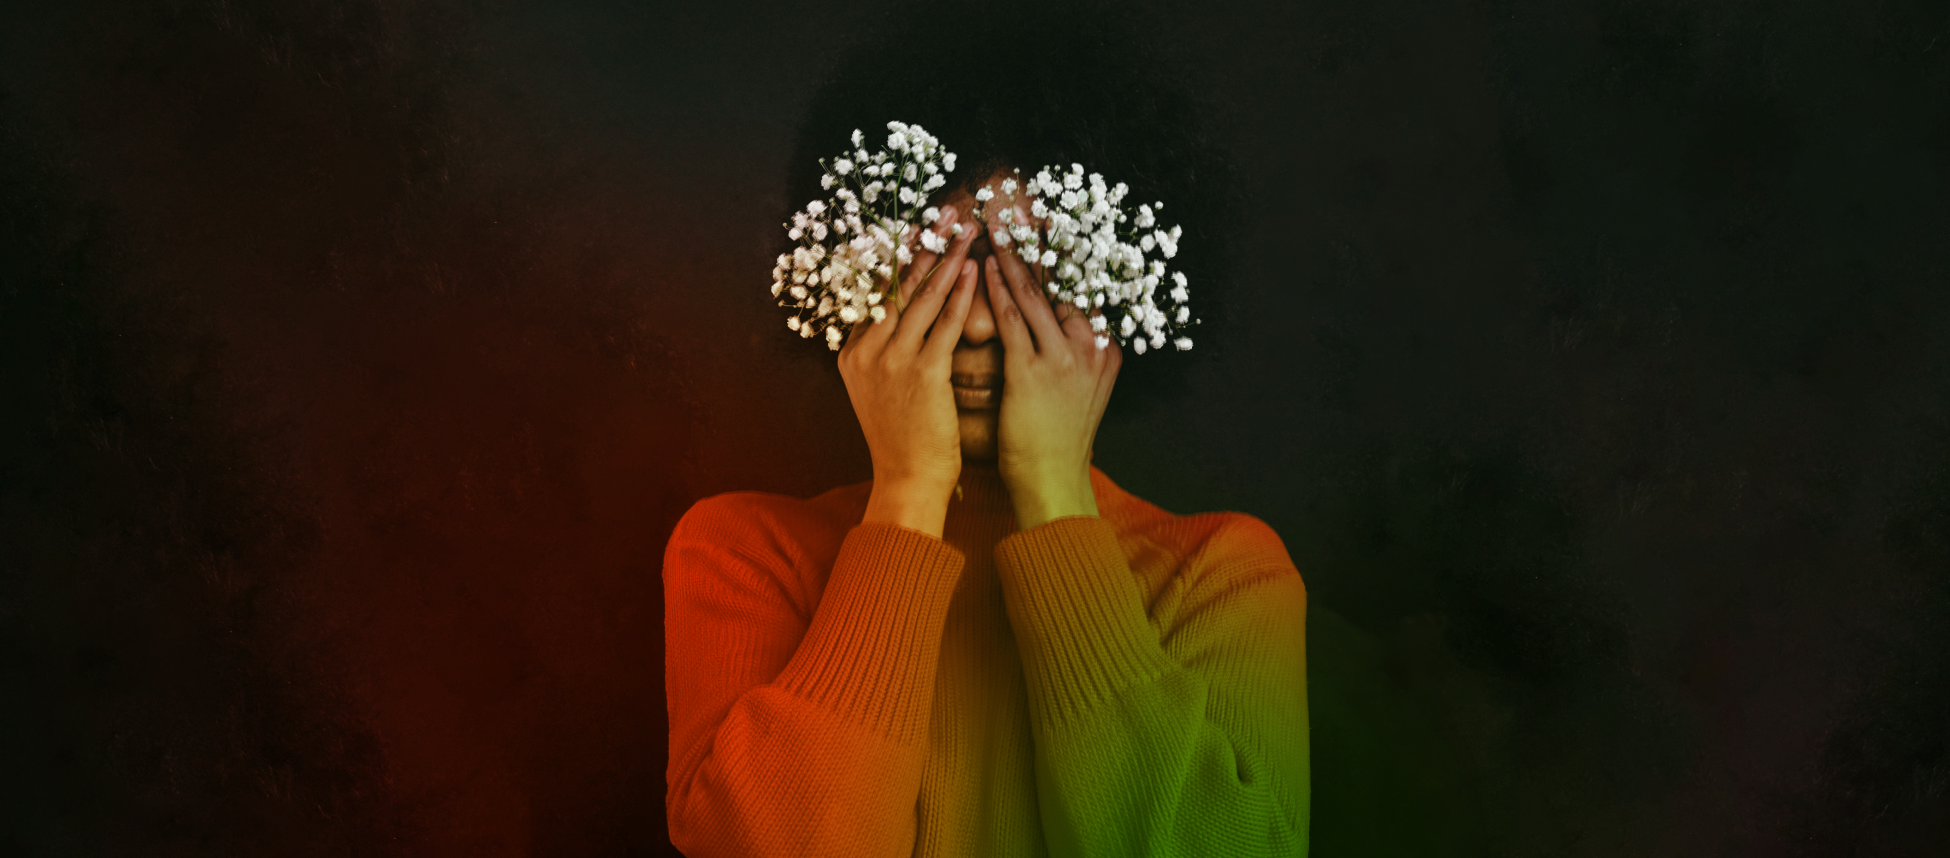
[990,648]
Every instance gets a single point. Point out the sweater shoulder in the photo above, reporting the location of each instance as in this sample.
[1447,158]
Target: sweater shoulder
[1221,549]
[776,513]
[788,536]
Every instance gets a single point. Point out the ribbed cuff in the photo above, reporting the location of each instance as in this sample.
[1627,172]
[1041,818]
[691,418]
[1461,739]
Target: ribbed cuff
[1078,616]
[871,650]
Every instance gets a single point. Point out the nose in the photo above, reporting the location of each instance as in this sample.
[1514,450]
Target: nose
[979,327]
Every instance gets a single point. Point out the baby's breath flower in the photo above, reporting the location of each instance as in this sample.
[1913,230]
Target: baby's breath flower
[853,245]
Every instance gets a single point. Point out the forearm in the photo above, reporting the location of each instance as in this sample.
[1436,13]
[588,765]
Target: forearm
[1152,772]
[822,755]
[785,777]
[1142,750]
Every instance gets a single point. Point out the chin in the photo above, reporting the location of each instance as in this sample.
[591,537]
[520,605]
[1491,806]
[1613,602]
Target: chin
[978,434]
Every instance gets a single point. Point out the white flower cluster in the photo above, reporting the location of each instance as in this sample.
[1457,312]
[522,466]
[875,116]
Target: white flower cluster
[853,245]
[1093,254]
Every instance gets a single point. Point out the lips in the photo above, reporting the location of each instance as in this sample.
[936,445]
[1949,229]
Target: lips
[975,392]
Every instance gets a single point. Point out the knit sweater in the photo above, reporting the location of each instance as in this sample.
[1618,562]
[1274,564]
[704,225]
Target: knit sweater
[1131,684]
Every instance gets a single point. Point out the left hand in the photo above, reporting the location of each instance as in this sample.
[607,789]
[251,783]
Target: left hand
[1056,383]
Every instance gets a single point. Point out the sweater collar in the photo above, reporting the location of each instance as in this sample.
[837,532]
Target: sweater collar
[982,493]
[984,496]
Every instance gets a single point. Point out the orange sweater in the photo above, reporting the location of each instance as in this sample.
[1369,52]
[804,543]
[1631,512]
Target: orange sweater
[1128,685]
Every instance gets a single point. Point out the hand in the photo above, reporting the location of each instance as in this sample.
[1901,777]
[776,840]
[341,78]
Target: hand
[896,373]
[1057,384]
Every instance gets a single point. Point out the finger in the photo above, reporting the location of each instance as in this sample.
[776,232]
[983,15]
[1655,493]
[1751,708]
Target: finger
[917,315]
[853,338]
[868,335]
[925,260]
[1113,360]
[1009,323]
[1029,297]
[947,328]
[1105,363]
[1076,326]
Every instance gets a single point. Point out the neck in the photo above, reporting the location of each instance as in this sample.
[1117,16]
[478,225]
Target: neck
[982,491]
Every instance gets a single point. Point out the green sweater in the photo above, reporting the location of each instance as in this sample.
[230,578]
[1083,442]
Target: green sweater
[1127,685]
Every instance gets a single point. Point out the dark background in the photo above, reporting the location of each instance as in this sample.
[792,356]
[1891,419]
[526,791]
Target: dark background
[1591,356]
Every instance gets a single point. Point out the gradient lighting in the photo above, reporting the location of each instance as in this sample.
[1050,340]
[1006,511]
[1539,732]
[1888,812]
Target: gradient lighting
[1128,684]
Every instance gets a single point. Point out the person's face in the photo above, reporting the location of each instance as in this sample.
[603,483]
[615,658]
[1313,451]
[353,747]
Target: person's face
[977,365]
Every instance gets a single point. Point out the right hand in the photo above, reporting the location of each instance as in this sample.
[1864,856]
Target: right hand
[896,373]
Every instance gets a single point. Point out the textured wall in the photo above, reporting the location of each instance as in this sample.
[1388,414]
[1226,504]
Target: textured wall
[1592,358]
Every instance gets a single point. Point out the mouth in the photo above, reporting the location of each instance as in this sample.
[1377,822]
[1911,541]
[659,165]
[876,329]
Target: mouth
[977,392]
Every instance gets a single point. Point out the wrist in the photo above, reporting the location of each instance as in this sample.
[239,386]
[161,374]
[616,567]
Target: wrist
[911,504]
[1040,500]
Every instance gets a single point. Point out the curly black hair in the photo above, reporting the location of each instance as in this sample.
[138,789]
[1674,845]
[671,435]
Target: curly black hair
[1007,83]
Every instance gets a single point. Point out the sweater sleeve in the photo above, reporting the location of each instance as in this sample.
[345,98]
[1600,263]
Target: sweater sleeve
[789,734]
[1180,735]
